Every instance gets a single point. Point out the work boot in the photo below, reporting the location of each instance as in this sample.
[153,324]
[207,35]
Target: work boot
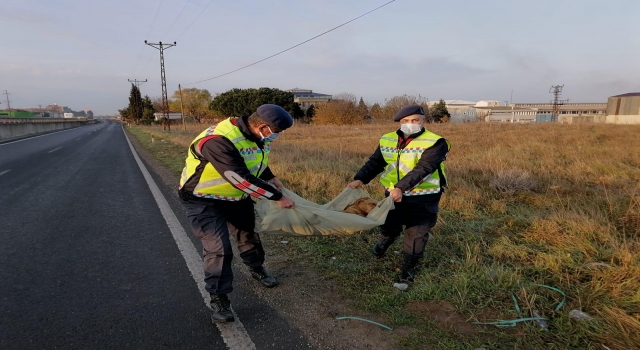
[221,309]
[260,273]
[380,248]
[408,268]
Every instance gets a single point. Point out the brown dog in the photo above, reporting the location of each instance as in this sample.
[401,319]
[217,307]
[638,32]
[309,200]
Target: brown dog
[361,207]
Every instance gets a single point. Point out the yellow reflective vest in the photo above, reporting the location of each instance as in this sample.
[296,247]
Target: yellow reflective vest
[402,161]
[211,184]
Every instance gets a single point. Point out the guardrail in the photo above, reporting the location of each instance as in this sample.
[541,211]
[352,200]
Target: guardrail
[41,120]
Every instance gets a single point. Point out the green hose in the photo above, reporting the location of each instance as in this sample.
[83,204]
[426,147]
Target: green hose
[365,320]
[513,323]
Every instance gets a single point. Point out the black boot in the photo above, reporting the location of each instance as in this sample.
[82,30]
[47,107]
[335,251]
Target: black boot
[408,268]
[221,309]
[260,273]
[380,248]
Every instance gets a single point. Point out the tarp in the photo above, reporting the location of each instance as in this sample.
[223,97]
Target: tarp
[311,219]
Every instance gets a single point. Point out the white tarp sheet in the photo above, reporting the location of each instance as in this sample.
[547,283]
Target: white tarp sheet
[311,219]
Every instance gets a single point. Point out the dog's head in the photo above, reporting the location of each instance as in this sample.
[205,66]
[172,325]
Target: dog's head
[365,204]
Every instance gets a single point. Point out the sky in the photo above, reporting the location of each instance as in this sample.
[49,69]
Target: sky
[81,53]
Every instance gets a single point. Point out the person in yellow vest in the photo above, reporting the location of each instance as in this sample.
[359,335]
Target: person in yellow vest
[411,161]
[227,165]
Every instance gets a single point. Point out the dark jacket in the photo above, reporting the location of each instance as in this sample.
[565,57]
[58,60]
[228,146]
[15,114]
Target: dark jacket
[225,157]
[428,163]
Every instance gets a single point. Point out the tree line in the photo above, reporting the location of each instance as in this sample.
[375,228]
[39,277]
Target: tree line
[200,106]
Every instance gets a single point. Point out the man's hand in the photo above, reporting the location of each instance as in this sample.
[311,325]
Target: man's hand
[286,202]
[276,183]
[355,184]
[396,194]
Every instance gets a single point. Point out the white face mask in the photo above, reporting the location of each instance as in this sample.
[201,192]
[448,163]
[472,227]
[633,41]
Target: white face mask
[410,129]
[271,137]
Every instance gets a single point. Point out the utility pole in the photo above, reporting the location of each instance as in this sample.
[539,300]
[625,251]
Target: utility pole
[184,126]
[511,102]
[165,104]
[137,82]
[557,102]
[8,102]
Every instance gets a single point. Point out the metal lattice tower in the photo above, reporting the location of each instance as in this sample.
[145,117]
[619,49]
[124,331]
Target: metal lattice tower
[137,82]
[165,101]
[556,102]
[6,93]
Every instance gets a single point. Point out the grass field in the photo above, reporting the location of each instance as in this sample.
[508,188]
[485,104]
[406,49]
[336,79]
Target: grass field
[557,205]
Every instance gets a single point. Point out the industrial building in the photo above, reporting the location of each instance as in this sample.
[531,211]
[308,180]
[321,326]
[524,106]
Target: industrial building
[507,114]
[624,109]
[569,113]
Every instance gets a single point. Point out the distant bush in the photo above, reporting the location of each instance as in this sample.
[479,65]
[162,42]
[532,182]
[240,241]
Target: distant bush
[338,112]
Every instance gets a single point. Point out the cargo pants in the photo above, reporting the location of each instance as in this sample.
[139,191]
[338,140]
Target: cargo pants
[213,222]
[418,219]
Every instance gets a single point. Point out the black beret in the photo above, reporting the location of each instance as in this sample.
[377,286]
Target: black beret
[407,111]
[276,116]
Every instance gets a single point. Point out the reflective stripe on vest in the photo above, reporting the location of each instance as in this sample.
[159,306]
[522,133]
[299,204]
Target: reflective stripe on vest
[402,161]
[211,184]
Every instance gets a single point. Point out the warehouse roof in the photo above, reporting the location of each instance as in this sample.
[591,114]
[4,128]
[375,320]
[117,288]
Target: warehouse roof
[628,95]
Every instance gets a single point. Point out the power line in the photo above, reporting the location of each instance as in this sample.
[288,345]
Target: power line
[292,47]
[194,21]
[148,32]
[154,19]
[177,18]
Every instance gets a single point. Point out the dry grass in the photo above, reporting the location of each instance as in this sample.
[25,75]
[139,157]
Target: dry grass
[527,204]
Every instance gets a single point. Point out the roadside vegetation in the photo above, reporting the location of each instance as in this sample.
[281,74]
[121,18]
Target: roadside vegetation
[545,204]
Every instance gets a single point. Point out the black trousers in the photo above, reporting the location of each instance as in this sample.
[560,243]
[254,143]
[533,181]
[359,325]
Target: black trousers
[417,218]
[212,222]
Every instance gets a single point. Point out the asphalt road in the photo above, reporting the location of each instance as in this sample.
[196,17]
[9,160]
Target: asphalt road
[87,260]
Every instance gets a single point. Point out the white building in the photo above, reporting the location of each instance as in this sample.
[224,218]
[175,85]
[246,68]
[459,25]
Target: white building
[508,114]
[172,116]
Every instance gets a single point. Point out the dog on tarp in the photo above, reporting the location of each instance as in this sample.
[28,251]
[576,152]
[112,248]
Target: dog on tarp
[361,206]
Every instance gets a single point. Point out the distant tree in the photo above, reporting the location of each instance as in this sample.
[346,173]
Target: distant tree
[89,114]
[362,108]
[310,113]
[157,104]
[375,113]
[345,96]
[147,110]
[135,104]
[124,114]
[195,102]
[394,104]
[296,112]
[240,102]
[438,113]
[339,112]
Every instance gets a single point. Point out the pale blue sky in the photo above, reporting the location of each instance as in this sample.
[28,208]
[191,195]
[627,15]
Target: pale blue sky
[80,53]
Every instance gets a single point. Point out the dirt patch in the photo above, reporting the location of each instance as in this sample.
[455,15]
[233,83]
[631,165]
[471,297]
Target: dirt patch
[445,314]
[309,302]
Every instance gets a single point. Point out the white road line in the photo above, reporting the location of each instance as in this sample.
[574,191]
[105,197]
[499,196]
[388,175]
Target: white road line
[233,333]
[4,172]
[78,138]
[53,150]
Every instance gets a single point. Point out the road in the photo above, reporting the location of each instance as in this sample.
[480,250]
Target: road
[90,260]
